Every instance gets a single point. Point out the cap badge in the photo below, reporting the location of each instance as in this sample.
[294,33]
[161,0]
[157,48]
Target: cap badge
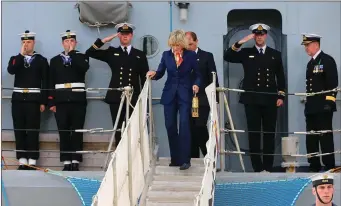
[325,176]
[260,28]
[25,35]
[125,26]
[304,37]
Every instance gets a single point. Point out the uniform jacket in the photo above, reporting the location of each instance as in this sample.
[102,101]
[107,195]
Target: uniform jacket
[28,75]
[64,73]
[128,70]
[321,75]
[179,79]
[206,66]
[262,73]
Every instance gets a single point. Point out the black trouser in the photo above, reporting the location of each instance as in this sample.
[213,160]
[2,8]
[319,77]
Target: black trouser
[199,132]
[70,116]
[114,111]
[26,115]
[258,117]
[320,121]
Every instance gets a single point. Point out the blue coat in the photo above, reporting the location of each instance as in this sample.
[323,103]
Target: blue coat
[178,78]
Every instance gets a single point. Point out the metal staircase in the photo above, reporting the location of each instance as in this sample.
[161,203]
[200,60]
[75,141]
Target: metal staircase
[173,187]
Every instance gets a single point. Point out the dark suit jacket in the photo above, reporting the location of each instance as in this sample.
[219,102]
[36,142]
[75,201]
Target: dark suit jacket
[262,73]
[178,78]
[206,67]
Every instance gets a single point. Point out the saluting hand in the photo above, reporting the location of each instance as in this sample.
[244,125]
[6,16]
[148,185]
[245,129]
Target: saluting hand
[23,49]
[109,38]
[246,39]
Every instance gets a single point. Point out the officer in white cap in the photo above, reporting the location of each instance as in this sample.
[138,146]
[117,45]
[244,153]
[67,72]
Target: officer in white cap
[29,98]
[321,75]
[129,67]
[323,189]
[263,73]
[67,98]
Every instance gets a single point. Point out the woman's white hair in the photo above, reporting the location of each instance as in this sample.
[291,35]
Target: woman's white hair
[178,37]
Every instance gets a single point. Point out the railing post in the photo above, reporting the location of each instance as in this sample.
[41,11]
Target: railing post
[130,160]
[222,133]
[115,180]
[151,119]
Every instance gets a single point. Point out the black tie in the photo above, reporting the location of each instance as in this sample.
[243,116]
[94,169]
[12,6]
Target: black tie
[125,50]
[261,50]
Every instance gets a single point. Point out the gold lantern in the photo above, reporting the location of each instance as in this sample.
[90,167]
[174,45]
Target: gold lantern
[195,106]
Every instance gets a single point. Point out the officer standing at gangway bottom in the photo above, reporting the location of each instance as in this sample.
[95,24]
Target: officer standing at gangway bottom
[263,72]
[321,75]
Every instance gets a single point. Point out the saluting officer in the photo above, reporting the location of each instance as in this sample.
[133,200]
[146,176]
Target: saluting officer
[263,72]
[68,98]
[323,189]
[321,75]
[128,65]
[199,124]
[29,98]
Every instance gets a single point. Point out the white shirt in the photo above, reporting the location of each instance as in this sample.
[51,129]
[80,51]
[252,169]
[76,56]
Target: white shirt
[196,50]
[128,48]
[258,48]
[317,53]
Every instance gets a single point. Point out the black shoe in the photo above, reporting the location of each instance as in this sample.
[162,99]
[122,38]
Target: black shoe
[185,166]
[75,167]
[22,167]
[67,167]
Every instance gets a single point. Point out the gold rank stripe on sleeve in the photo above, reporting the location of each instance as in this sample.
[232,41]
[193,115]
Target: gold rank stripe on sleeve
[331,98]
[234,48]
[95,47]
[282,93]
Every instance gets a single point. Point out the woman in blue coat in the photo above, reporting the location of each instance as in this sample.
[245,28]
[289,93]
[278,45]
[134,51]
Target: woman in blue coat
[177,95]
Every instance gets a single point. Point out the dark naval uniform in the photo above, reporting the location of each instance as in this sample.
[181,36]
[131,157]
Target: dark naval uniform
[129,67]
[321,75]
[263,72]
[67,74]
[199,130]
[30,84]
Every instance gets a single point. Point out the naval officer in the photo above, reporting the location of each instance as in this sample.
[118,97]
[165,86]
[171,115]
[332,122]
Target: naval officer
[30,71]
[263,72]
[128,65]
[67,98]
[180,63]
[323,189]
[321,75]
[206,64]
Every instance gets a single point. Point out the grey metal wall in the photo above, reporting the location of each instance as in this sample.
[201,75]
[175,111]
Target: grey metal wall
[208,19]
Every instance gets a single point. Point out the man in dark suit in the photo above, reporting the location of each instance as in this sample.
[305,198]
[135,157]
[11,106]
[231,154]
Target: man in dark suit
[29,98]
[129,67]
[206,66]
[263,72]
[321,75]
[67,74]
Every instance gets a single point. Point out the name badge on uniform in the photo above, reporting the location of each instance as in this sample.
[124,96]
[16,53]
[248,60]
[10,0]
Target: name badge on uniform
[116,54]
[251,56]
